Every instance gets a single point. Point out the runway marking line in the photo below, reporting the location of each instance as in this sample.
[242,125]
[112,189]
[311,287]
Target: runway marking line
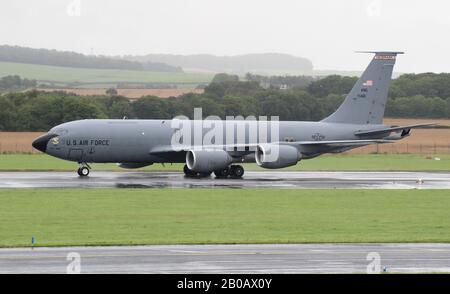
[210,254]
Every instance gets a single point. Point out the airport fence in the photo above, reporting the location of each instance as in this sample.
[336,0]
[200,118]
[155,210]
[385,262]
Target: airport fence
[6,148]
[404,148]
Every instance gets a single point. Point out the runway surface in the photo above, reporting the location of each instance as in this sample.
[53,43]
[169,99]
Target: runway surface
[270,179]
[304,258]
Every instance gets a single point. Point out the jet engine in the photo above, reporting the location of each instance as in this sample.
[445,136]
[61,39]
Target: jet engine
[206,161]
[276,156]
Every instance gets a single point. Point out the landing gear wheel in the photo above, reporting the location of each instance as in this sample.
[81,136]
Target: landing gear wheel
[204,175]
[188,172]
[83,171]
[222,173]
[236,171]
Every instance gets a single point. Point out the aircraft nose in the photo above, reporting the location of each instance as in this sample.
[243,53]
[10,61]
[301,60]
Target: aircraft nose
[40,143]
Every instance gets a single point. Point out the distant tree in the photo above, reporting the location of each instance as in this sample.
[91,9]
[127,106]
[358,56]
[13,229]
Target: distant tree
[76,107]
[150,107]
[426,84]
[111,92]
[418,106]
[219,90]
[276,82]
[15,82]
[223,77]
[216,90]
[332,84]
[8,113]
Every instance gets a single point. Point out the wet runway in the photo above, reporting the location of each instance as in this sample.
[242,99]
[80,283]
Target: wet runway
[269,179]
[295,258]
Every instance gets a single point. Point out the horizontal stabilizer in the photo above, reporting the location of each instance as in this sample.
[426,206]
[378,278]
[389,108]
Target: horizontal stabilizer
[382,52]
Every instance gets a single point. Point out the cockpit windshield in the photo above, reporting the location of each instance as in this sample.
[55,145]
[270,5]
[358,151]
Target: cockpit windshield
[58,131]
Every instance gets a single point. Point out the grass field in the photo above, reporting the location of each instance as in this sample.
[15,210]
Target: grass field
[97,76]
[186,216]
[346,162]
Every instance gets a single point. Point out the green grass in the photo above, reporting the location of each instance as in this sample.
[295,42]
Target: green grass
[97,76]
[360,162]
[205,216]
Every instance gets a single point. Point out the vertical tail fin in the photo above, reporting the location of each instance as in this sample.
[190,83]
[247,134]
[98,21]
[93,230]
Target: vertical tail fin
[366,101]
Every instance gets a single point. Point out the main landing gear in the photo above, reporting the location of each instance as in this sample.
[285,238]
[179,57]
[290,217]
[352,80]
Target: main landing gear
[193,174]
[83,170]
[234,172]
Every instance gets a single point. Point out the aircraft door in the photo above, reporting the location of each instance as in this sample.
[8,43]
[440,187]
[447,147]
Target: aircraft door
[90,152]
[75,155]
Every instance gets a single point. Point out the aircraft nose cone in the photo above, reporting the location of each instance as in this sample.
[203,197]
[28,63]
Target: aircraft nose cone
[40,143]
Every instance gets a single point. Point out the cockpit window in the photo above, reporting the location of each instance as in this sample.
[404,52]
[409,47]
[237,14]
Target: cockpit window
[59,131]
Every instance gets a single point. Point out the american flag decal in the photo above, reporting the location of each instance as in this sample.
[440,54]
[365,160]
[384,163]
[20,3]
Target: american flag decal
[368,83]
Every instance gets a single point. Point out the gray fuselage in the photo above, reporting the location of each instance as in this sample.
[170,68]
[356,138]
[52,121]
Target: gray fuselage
[138,141]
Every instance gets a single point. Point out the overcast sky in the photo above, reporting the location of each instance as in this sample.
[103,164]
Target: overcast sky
[325,31]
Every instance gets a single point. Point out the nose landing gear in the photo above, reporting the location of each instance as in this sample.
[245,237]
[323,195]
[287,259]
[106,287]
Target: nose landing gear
[83,170]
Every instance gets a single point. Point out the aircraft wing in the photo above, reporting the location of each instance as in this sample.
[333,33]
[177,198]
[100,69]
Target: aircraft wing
[392,129]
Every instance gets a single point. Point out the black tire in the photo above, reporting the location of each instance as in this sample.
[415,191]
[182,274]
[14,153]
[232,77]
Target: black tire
[83,171]
[79,172]
[236,171]
[222,173]
[204,175]
[188,172]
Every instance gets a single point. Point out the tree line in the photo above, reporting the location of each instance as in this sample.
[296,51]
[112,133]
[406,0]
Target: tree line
[417,96]
[72,59]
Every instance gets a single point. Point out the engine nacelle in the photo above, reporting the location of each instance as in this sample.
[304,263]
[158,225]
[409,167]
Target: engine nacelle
[205,161]
[131,165]
[267,156]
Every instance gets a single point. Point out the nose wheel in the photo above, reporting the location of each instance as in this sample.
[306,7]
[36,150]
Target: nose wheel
[83,171]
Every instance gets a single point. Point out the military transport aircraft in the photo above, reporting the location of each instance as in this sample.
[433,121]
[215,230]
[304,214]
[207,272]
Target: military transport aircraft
[138,143]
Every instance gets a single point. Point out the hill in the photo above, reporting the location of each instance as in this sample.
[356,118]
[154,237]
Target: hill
[89,77]
[71,59]
[240,64]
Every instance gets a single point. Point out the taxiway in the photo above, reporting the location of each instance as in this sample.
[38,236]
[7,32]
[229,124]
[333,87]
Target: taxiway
[289,258]
[271,179]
